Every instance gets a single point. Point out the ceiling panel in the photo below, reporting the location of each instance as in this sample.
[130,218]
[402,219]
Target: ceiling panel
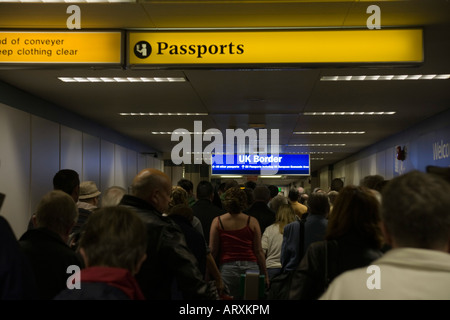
[246,14]
[253,91]
[93,16]
[240,97]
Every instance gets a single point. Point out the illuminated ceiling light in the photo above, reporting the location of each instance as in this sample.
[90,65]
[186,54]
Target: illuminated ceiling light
[387,77]
[94,79]
[414,77]
[372,78]
[163,114]
[329,132]
[67,79]
[271,177]
[428,77]
[122,79]
[348,113]
[106,79]
[442,76]
[80,79]
[231,177]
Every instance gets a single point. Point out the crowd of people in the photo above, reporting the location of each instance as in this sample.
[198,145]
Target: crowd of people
[376,240]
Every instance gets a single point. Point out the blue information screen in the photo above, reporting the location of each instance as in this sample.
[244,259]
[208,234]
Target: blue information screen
[241,164]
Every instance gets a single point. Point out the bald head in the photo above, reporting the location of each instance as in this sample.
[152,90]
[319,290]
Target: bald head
[152,186]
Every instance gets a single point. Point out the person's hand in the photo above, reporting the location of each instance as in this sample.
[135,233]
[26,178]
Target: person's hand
[220,286]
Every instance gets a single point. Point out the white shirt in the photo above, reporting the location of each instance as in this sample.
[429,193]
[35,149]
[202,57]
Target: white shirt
[271,241]
[403,274]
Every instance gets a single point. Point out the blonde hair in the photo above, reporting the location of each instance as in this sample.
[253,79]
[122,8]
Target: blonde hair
[178,196]
[284,216]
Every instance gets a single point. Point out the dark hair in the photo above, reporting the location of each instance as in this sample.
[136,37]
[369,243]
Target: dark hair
[319,204]
[205,190]
[235,200]
[415,210]
[443,172]
[231,184]
[356,211]
[294,194]
[66,180]
[222,187]
[250,184]
[375,182]
[273,190]
[261,193]
[250,196]
[186,185]
[337,184]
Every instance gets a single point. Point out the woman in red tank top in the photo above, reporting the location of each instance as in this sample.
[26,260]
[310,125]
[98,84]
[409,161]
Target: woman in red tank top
[235,242]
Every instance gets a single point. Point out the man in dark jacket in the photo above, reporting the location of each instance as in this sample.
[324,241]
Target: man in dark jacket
[168,256]
[46,246]
[259,208]
[204,209]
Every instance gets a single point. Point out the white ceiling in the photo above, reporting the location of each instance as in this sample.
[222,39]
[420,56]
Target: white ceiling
[235,98]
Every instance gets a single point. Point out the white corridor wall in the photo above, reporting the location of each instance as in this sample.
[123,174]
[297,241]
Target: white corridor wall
[33,149]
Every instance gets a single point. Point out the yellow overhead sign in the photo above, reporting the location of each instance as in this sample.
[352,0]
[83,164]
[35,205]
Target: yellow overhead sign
[275,47]
[61,47]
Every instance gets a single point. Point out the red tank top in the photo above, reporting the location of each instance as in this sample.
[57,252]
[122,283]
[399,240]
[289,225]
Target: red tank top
[236,245]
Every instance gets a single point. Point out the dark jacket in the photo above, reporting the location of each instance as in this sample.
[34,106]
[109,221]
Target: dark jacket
[194,240]
[322,263]
[262,213]
[168,257]
[16,276]
[49,257]
[315,229]
[206,211]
